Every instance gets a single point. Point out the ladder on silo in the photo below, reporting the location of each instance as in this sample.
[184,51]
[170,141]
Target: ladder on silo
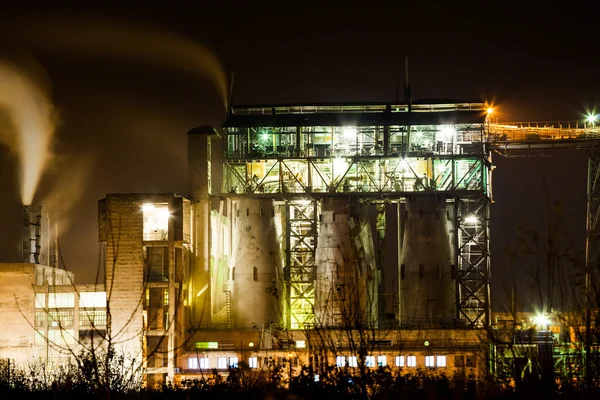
[227,292]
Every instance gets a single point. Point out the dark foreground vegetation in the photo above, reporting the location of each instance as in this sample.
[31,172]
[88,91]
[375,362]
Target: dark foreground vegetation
[86,382]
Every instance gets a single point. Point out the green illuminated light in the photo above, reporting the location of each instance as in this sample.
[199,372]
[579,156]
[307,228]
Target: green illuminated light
[207,345]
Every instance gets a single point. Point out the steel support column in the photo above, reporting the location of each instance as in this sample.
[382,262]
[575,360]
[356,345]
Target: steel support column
[592,259]
[473,261]
[301,244]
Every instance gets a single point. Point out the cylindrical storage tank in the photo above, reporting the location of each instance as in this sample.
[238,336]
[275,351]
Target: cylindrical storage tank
[427,282]
[256,292]
[345,287]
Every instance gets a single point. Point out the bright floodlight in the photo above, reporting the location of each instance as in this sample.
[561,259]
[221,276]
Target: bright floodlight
[592,118]
[448,132]
[339,166]
[490,110]
[349,132]
[265,137]
[541,320]
[471,219]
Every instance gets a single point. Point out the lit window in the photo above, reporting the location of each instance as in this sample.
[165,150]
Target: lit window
[441,361]
[411,361]
[40,300]
[192,363]
[39,339]
[233,362]
[60,300]
[92,299]
[204,364]
[63,318]
[92,318]
[316,377]
[156,221]
[222,362]
[370,361]
[300,344]
[429,361]
[253,362]
[381,361]
[340,361]
[352,361]
[61,337]
[399,361]
[40,318]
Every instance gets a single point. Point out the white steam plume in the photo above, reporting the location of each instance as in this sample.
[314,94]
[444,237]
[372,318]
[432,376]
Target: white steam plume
[31,116]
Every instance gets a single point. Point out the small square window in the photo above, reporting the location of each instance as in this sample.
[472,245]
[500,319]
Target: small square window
[441,361]
[222,362]
[352,361]
[204,364]
[340,361]
[253,362]
[399,361]
[192,363]
[381,361]
[233,362]
[429,361]
[370,361]
[411,361]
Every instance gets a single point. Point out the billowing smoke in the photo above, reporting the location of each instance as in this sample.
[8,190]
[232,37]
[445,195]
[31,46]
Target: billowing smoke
[126,40]
[28,126]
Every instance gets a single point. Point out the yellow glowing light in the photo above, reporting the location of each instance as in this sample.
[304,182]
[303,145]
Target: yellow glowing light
[490,110]
[251,344]
[541,320]
[300,344]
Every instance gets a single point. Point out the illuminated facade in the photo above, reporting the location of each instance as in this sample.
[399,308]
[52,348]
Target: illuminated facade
[330,224]
[46,317]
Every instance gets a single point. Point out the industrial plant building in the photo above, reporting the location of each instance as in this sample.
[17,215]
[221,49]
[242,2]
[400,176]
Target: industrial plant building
[348,235]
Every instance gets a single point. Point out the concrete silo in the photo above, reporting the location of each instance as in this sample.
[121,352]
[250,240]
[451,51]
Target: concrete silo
[427,281]
[256,267]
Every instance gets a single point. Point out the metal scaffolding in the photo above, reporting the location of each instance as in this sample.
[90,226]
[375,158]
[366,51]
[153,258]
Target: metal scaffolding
[473,261]
[301,245]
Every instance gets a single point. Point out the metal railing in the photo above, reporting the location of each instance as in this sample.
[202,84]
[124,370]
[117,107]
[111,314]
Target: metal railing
[354,108]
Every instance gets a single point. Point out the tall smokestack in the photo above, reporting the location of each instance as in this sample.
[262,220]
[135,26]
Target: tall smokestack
[199,189]
[31,243]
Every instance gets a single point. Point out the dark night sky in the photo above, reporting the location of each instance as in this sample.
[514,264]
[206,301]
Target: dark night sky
[124,118]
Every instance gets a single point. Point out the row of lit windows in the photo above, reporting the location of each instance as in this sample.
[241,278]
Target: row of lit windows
[340,361]
[401,361]
[64,318]
[222,362]
[67,300]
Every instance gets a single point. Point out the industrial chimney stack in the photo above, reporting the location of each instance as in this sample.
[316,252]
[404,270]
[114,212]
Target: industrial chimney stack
[31,234]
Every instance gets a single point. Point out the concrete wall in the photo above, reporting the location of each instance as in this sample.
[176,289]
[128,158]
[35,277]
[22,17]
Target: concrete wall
[17,309]
[122,231]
